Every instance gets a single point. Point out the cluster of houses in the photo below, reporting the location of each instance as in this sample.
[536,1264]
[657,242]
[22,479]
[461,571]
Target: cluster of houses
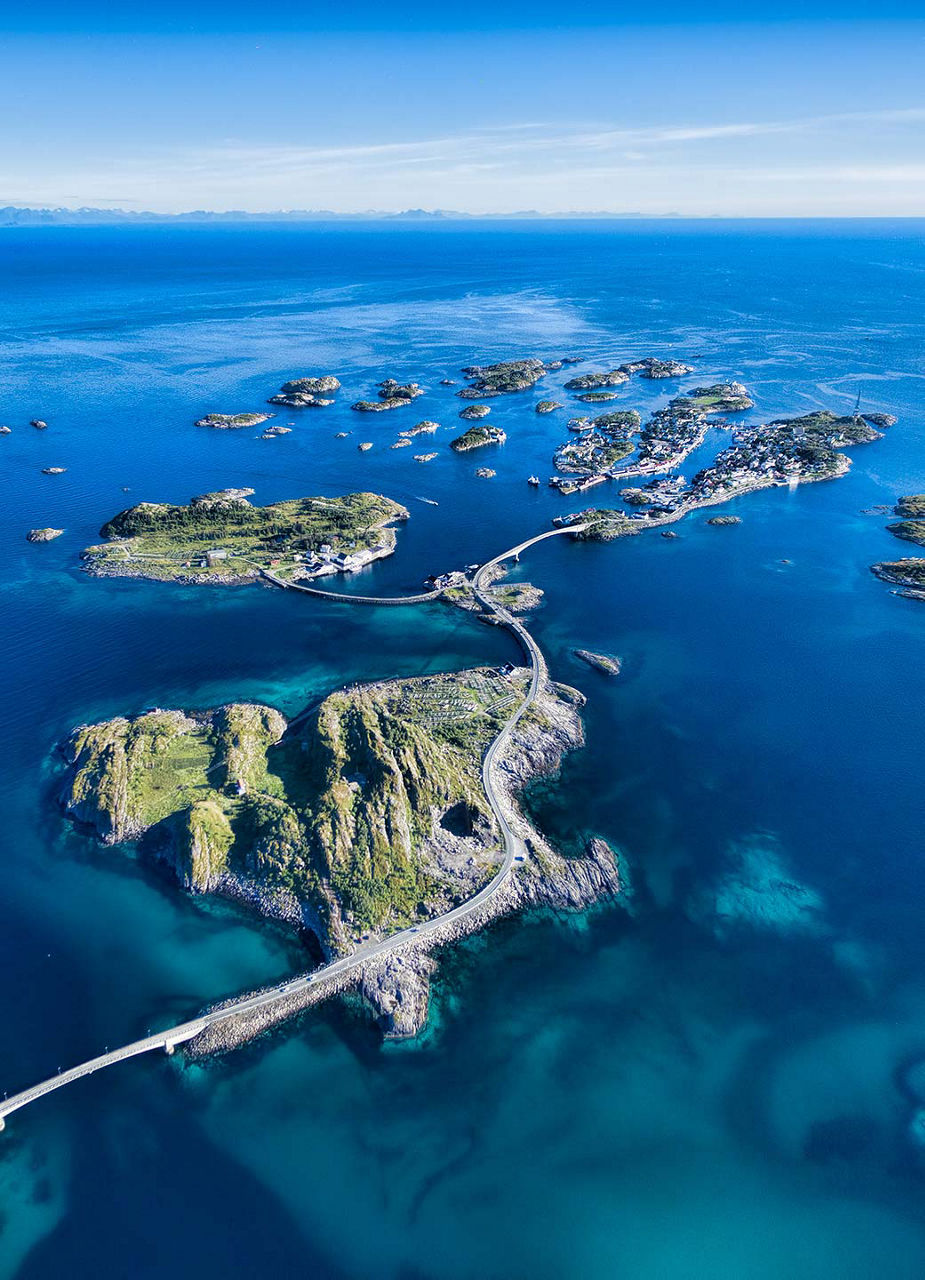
[327,560]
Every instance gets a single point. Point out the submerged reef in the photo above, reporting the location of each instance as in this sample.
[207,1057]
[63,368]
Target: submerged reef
[756,892]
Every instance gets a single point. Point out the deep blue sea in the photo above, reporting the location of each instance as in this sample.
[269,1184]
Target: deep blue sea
[655,1095]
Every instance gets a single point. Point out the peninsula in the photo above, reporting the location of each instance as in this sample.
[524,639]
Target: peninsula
[222,538]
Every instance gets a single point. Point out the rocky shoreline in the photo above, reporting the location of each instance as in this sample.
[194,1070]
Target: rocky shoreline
[396,986]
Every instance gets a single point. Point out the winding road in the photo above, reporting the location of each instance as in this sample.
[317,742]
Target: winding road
[513,847]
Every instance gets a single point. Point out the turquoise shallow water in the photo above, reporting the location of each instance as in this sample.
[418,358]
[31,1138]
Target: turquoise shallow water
[655,1096]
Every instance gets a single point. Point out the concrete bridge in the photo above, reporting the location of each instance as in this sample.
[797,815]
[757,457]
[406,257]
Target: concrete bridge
[513,847]
[345,596]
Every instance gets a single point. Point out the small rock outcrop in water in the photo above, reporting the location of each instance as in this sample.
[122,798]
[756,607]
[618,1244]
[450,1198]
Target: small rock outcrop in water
[5,430]
[724,520]
[547,406]
[604,662]
[43,535]
[53,471]
[474,411]
[39,424]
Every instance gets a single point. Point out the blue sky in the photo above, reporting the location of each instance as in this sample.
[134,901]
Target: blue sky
[810,109]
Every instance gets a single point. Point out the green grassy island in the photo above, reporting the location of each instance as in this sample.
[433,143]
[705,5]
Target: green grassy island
[475,437]
[367,814]
[222,538]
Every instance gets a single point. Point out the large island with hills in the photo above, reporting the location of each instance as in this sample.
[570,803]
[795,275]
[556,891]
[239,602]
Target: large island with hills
[366,815]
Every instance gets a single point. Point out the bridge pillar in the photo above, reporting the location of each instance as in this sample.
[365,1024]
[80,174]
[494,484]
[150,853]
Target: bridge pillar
[169,1047]
[2,1124]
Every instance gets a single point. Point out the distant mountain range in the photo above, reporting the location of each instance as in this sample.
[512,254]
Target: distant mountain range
[14,216]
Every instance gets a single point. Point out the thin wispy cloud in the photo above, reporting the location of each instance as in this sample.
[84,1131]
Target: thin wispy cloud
[695,167]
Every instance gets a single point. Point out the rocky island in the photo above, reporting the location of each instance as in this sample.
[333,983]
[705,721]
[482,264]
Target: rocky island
[363,817]
[307,393]
[594,381]
[43,535]
[392,395]
[499,379]
[473,412]
[229,421]
[603,662]
[909,573]
[476,437]
[597,443]
[648,367]
[222,538]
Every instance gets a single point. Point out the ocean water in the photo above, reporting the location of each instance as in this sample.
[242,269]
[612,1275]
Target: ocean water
[710,1085]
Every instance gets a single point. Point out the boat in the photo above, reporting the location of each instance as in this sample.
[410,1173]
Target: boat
[534,480]
[431,502]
